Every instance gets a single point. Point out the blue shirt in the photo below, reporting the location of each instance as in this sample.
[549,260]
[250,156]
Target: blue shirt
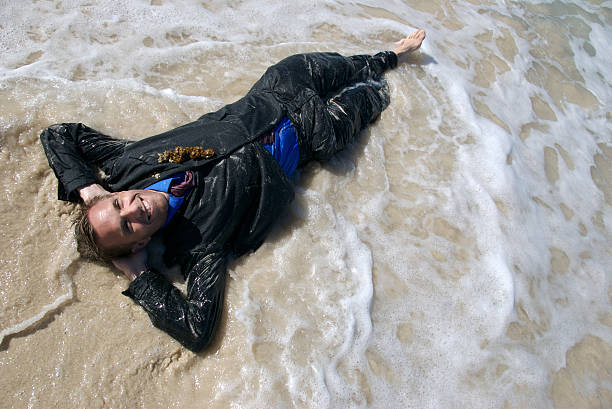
[285,147]
[174,202]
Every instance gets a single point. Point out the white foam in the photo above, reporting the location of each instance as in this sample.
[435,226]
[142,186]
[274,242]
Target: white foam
[52,307]
[357,321]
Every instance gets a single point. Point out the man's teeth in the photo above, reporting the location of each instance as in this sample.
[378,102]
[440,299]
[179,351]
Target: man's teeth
[147,208]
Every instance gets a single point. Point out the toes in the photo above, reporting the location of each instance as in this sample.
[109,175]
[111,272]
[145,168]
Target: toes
[418,35]
[410,43]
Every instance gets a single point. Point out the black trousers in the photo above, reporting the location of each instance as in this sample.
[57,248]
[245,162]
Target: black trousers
[337,96]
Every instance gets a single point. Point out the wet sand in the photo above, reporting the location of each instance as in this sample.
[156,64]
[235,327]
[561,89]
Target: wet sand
[457,255]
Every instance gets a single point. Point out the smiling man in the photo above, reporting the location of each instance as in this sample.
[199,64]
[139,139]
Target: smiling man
[128,219]
[214,187]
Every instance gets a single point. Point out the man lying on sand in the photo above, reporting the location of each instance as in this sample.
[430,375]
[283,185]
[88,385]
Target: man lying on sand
[214,187]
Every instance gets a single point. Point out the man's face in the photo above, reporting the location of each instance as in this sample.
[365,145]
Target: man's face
[128,219]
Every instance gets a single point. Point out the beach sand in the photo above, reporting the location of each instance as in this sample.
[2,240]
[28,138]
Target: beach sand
[458,255]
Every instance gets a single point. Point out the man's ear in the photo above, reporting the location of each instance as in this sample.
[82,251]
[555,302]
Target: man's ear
[140,245]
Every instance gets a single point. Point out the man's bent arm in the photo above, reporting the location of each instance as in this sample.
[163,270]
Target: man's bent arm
[72,150]
[191,321]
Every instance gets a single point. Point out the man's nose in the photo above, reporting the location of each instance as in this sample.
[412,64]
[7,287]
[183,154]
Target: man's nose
[133,211]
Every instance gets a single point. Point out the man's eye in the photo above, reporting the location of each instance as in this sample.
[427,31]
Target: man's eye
[116,204]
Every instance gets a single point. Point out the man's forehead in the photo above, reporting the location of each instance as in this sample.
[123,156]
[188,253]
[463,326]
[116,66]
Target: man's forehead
[100,214]
[105,223]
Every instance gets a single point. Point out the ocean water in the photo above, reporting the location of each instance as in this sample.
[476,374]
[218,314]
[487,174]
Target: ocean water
[456,256]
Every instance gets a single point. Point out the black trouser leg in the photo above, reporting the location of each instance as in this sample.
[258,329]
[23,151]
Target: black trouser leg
[338,120]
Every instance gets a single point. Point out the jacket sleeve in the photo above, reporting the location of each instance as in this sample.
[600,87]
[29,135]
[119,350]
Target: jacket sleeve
[191,321]
[73,150]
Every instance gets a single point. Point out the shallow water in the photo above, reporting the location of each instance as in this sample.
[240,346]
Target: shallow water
[456,256]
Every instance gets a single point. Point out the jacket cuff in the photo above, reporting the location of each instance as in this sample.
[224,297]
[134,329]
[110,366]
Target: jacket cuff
[141,285]
[69,192]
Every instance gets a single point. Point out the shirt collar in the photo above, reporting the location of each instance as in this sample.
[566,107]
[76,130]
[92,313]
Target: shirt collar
[174,202]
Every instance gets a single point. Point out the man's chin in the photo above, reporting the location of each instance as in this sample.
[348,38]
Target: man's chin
[158,208]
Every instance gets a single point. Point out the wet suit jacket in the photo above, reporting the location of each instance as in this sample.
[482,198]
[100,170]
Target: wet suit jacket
[240,190]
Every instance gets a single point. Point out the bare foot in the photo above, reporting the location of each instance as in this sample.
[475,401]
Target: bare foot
[409,44]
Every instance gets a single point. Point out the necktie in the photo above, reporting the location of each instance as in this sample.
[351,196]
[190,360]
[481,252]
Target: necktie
[179,188]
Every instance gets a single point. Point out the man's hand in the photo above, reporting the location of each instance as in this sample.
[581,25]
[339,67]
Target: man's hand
[88,192]
[132,265]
